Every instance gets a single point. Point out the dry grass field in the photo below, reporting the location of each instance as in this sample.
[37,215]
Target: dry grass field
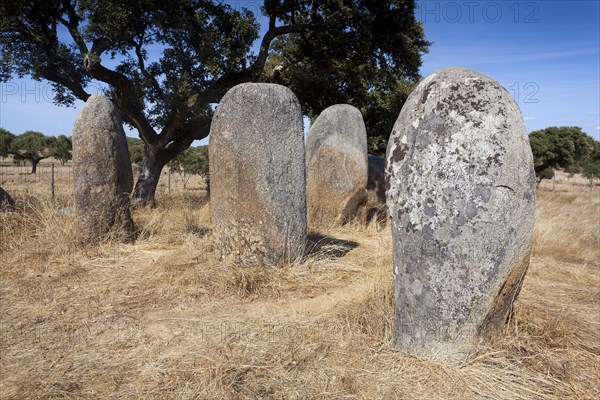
[165,319]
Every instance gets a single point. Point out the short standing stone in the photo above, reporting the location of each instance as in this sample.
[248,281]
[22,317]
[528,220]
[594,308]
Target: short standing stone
[461,194]
[376,204]
[376,181]
[102,172]
[258,189]
[336,166]
[6,202]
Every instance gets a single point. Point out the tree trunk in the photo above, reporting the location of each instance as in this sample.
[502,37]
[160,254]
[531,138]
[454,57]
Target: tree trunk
[34,164]
[155,158]
[145,187]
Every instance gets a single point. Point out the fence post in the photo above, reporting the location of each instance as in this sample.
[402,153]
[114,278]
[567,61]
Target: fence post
[169,182]
[52,183]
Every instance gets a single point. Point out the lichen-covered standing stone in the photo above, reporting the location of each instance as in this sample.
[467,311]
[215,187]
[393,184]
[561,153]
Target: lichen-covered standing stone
[102,172]
[258,182]
[461,194]
[336,166]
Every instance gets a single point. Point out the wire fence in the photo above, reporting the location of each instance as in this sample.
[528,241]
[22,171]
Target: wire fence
[55,178]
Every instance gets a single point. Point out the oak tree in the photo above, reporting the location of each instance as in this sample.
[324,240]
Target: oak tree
[166,63]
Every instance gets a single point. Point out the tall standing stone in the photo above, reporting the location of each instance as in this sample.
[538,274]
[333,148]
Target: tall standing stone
[336,166]
[258,189]
[102,171]
[461,193]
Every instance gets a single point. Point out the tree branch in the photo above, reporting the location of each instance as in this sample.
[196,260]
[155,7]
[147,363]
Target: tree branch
[51,72]
[72,25]
[265,44]
[196,131]
[100,45]
[147,75]
[215,91]
[75,87]
[92,65]
[196,100]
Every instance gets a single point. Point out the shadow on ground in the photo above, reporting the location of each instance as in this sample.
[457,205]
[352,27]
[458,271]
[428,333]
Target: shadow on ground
[318,244]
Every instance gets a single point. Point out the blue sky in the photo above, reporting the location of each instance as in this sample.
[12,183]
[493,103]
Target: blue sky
[546,53]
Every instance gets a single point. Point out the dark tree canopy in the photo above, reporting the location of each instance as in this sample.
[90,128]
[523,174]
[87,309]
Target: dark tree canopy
[63,149]
[5,138]
[164,62]
[566,147]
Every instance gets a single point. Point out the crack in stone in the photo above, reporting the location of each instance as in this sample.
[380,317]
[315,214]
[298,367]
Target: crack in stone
[506,187]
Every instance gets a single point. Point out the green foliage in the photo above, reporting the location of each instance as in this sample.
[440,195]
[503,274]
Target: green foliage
[566,147]
[192,161]
[365,53]
[173,59]
[32,146]
[380,110]
[136,150]
[547,173]
[35,146]
[5,139]
[63,148]
[590,167]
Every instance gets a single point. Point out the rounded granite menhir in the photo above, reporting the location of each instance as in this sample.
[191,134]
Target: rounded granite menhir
[336,166]
[461,194]
[102,172]
[258,183]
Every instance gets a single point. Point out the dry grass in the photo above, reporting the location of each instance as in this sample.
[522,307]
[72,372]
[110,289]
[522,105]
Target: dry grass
[164,318]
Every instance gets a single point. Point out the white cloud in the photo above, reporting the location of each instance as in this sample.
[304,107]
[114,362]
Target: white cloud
[487,56]
[597,128]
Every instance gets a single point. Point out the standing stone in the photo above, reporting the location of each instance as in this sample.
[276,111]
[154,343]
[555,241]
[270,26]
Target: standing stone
[6,202]
[461,193]
[102,172]
[376,181]
[376,203]
[336,166]
[258,189]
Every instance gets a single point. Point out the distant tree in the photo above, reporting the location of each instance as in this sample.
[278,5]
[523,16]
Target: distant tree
[590,167]
[33,147]
[136,150]
[566,147]
[192,161]
[5,138]
[380,109]
[341,51]
[63,148]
